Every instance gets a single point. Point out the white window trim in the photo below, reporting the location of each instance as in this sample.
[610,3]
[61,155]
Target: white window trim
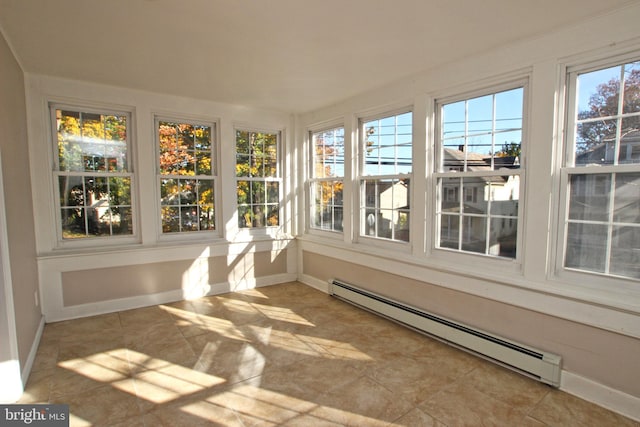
[604,288]
[474,261]
[357,220]
[310,180]
[93,242]
[272,232]
[188,236]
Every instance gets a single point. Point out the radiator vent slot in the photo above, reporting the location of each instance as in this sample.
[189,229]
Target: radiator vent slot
[543,366]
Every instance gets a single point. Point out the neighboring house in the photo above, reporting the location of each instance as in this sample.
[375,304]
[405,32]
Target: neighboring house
[472,206]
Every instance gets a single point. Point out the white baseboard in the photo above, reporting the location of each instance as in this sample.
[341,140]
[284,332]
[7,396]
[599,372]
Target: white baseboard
[612,399]
[318,284]
[111,306]
[26,369]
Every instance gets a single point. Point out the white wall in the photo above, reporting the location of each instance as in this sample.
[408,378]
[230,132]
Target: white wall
[21,317]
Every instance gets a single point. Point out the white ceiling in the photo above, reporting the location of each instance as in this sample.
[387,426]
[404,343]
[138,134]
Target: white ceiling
[288,55]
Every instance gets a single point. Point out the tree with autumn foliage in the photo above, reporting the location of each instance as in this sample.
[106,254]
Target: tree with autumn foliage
[90,147]
[604,105]
[328,160]
[187,196]
[258,187]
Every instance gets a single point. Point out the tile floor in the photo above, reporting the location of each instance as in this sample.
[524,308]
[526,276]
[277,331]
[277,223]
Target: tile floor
[283,355]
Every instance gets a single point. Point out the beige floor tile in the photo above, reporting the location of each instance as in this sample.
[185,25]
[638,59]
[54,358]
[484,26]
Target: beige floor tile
[144,317]
[103,406]
[417,418]
[283,355]
[172,384]
[257,406]
[86,374]
[507,386]
[85,326]
[308,379]
[195,413]
[415,379]
[361,402]
[46,356]
[562,409]
[161,354]
[150,335]
[78,346]
[460,404]
[38,388]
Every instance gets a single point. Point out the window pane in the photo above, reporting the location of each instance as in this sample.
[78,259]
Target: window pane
[170,219]
[598,93]
[625,252]
[586,247]
[449,231]
[102,207]
[474,234]
[385,208]
[482,133]
[387,145]
[605,133]
[469,205]
[401,225]
[91,142]
[503,237]
[188,218]
[630,140]
[120,191]
[589,197]
[627,198]
[596,142]
[328,153]
[258,198]
[187,205]
[185,149]
[328,205]
[273,215]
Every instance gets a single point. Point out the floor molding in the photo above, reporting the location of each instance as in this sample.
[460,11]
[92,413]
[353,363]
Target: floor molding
[601,395]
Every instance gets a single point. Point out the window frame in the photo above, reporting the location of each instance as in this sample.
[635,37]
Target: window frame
[131,173]
[312,180]
[215,177]
[266,230]
[359,214]
[470,258]
[567,168]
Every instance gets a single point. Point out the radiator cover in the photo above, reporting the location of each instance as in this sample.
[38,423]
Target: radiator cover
[543,366]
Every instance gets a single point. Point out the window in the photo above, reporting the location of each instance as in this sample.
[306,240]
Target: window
[386,165]
[327,179]
[186,167]
[602,171]
[258,179]
[92,172]
[478,172]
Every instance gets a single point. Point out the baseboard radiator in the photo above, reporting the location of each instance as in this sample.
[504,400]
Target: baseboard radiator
[544,367]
